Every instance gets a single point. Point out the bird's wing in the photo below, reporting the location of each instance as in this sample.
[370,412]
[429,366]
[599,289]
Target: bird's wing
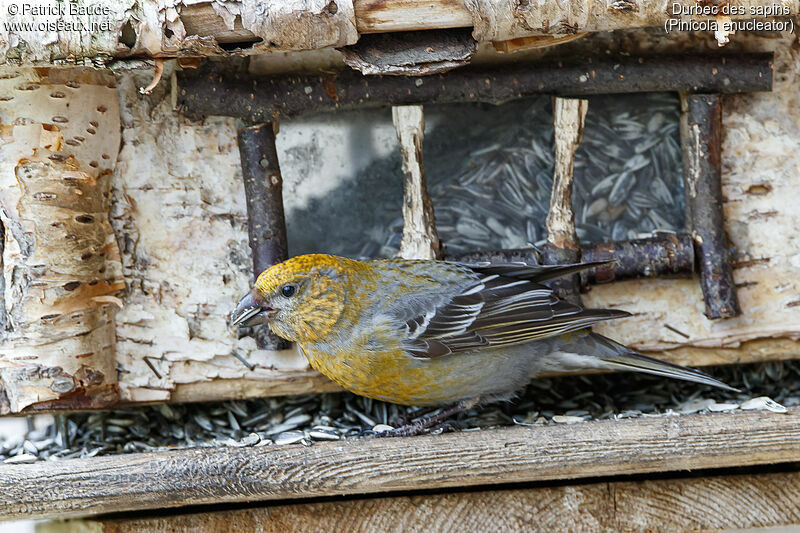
[504,305]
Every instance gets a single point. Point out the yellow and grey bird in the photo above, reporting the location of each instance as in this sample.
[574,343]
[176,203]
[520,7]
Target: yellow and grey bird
[436,332]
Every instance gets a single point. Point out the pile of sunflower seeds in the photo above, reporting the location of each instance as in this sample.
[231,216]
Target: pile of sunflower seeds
[490,170]
[321,417]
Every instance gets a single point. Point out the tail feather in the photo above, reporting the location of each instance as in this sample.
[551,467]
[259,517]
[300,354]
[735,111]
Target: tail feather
[620,357]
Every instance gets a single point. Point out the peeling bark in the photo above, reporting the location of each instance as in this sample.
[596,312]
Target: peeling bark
[420,240]
[417,53]
[501,20]
[164,28]
[177,28]
[61,264]
[562,242]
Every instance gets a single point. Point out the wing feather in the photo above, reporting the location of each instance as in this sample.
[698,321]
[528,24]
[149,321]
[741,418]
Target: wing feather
[505,305]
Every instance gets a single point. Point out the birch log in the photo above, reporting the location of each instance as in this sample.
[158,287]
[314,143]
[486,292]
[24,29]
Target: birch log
[61,264]
[108,28]
[420,240]
[178,209]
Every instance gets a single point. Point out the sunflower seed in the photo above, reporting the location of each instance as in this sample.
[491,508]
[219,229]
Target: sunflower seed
[289,437]
[319,434]
[250,440]
[763,402]
[565,419]
[24,458]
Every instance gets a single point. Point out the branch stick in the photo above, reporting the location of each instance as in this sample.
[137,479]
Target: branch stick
[420,240]
[266,225]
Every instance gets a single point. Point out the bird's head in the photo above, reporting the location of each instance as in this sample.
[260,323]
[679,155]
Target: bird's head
[301,299]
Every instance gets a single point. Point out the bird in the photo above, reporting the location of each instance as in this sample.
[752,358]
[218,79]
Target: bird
[437,333]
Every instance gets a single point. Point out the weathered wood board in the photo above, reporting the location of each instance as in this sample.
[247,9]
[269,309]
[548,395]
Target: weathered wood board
[222,475]
[682,504]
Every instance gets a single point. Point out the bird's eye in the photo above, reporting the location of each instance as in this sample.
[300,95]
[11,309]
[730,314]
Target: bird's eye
[288,290]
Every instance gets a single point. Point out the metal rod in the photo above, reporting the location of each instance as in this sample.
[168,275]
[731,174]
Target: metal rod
[701,133]
[266,226]
[217,90]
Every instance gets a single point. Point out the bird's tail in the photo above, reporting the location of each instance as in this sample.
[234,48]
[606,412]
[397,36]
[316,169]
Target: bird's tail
[618,357]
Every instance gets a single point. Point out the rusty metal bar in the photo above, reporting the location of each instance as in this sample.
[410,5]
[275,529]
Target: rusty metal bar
[701,133]
[216,90]
[662,255]
[266,225]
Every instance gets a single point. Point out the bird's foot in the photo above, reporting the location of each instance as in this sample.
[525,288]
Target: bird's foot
[436,419]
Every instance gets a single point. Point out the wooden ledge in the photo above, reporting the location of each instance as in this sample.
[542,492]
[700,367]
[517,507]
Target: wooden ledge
[682,504]
[520,454]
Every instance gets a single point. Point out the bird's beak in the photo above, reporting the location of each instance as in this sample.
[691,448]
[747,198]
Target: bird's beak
[249,312]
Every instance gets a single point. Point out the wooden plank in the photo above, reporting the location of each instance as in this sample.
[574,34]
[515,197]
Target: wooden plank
[634,506]
[217,475]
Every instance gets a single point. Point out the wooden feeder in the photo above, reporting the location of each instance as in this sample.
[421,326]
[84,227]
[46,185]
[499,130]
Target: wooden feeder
[123,254]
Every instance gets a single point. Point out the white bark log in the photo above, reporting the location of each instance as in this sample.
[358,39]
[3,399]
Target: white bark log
[42,33]
[501,20]
[61,265]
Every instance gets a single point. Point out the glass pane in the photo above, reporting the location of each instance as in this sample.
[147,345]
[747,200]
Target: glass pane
[489,171]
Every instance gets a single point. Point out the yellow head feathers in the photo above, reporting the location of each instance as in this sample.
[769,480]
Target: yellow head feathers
[301,266]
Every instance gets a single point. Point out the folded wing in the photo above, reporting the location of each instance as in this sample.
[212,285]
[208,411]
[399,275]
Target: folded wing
[507,304]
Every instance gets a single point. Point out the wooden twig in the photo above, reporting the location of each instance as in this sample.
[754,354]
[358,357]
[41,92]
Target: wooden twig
[562,242]
[216,475]
[701,132]
[662,255]
[266,226]
[420,240]
[265,98]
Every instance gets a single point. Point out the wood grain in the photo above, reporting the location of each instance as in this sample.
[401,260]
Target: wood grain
[216,475]
[645,506]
